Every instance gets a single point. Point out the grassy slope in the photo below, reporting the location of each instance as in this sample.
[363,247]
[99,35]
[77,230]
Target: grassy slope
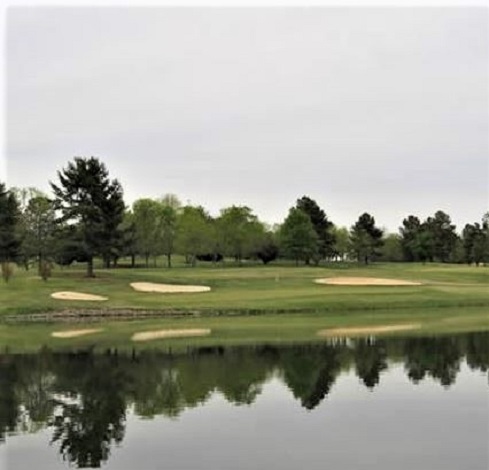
[453,298]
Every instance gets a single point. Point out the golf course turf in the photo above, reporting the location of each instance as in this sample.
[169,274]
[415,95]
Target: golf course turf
[246,304]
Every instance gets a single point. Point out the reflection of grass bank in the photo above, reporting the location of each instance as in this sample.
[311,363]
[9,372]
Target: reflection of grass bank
[271,328]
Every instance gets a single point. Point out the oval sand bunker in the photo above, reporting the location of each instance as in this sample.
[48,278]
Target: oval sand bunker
[167,288]
[77,296]
[74,333]
[158,334]
[365,281]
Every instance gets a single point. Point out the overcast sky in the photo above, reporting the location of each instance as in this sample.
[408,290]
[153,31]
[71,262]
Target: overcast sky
[383,110]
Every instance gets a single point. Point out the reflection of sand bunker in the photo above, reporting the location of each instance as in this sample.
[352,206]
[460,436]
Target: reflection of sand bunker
[365,281]
[368,330]
[158,334]
[77,296]
[167,288]
[74,333]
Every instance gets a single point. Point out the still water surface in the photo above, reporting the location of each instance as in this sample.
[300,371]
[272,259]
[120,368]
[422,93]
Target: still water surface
[398,403]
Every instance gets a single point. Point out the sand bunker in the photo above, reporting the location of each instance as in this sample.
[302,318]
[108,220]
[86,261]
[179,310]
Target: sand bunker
[368,330]
[74,333]
[77,296]
[167,288]
[365,281]
[158,334]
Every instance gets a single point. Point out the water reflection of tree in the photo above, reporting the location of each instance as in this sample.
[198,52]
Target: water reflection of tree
[370,360]
[167,385]
[478,352]
[25,392]
[155,388]
[35,390]
[241,378]
[84,397]
[9,402]
[310,372]
[86,426]
[438,357]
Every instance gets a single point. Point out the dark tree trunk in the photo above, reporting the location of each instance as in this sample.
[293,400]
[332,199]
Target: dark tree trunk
[168,258]
[90,267]
[133,260]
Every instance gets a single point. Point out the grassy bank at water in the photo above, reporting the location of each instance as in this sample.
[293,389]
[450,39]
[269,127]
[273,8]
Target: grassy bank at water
[270,328]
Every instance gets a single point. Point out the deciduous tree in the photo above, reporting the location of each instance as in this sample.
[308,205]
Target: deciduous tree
[39,222]
[145,218]
[298,239]
[194,234]
[239,231]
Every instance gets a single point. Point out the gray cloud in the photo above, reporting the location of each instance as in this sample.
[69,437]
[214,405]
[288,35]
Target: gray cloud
[374,109]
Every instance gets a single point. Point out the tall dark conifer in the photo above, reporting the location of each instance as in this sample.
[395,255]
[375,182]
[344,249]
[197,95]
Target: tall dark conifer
[322,226]
[86,197]
[366,237]
[9,219]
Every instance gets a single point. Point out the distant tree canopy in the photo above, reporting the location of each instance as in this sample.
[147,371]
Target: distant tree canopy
[85,196]
[391,249]
[145,219]
[298,239]
[366,238]
[322,226]
[411,235]
[87,218]
[268,248]
[240,231]
[39,224]
[195,234]
[9,219]
[443,234]
[433,239]
[475,242]
[342,244]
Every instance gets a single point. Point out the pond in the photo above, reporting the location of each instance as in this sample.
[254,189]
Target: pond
[371,403]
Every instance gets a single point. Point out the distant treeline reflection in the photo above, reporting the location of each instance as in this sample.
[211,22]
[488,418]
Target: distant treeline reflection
[84,397]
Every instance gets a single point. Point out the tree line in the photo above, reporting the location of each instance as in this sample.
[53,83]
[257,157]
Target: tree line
[86,217]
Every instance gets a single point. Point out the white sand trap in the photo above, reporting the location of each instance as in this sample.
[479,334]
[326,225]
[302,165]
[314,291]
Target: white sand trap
[158,334]
[167,288]
[77,296]
[365,281]
[74,333]
[368,330]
